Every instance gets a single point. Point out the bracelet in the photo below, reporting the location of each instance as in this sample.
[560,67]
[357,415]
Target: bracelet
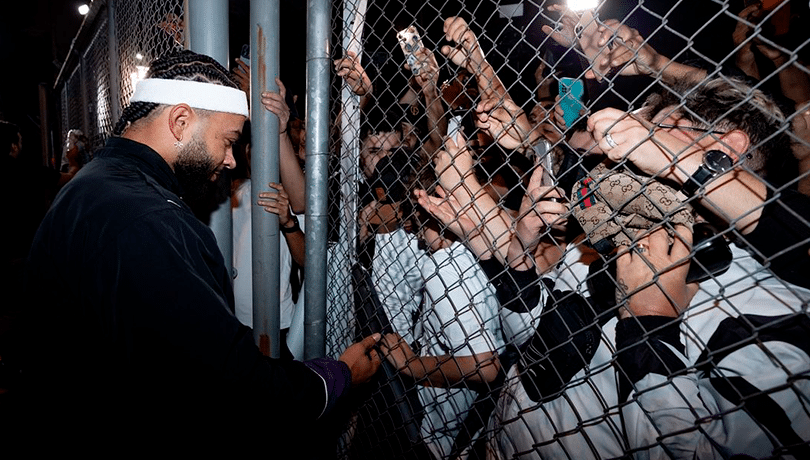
[292,229]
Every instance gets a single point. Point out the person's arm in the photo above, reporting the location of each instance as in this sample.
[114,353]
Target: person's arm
[801,144]
[632,54]
[454,167]
[469,55]
[440,371]
[744,56]
[428,80]
[289,169]
[793,81]
[171,281]
[736,197]
[278,203]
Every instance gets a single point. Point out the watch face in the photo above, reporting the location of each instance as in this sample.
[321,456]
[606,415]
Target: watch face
[718,161]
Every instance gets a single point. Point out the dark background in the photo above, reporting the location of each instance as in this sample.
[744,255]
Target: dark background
[35,37]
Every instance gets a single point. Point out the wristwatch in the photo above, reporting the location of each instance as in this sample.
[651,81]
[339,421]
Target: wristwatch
[715,163]
[292,229]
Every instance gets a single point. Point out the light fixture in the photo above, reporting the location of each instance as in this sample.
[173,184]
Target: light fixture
[139,56]
[138,75]
[84,9]
[582,5]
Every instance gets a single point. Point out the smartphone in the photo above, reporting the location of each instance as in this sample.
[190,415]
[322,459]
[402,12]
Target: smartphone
[244,55]
[572,92]
[410,42]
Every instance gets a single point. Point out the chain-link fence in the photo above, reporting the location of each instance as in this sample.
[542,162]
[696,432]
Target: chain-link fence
[112,58]
[609,259]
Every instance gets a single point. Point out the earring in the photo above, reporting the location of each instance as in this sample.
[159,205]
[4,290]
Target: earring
[178,145]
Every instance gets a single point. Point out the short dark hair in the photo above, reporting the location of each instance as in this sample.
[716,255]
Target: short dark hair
[727,104]
[177,65]
[9,135]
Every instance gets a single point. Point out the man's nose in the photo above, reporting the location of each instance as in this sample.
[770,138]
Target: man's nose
[230,161]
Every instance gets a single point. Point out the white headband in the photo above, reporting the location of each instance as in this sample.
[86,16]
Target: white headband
[206,96]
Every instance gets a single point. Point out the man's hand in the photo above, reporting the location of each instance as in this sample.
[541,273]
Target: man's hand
[506,122]
[241,74]
[454,164]
[276,102]
[624,136]
[564,32]
[428,77]
[627,50]
[362,359]
[467,53]
[351,70]
[277,203]
[398,353]
[653,274]
[446,208]
[542,208]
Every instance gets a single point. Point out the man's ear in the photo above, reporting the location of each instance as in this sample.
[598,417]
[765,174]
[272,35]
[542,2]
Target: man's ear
[736,143]
[180,119]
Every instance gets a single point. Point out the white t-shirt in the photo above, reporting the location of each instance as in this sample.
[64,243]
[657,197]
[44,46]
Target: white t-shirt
[243,263]
[395,275]
[460,318]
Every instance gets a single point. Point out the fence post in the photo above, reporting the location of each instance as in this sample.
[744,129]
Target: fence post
[115,64]
[208,34]
[317,144]
[264,59]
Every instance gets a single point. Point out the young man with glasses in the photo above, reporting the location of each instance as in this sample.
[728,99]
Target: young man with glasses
[705,386]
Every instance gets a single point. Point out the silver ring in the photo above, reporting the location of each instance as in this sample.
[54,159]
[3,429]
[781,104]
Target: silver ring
[610,141]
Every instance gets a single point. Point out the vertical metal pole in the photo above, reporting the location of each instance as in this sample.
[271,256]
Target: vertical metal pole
[45,125]
[264,66]
[342,255]
[317,142]
[208,34]
[115,64]
[83,79]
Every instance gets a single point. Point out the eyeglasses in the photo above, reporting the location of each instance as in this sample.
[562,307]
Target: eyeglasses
[692,128]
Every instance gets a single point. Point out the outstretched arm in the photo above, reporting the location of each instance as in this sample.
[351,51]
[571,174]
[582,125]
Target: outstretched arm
[289,169]
[440,371]
[454,167]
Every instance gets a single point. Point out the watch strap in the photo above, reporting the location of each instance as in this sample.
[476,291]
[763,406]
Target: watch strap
[696,181]
[292,229]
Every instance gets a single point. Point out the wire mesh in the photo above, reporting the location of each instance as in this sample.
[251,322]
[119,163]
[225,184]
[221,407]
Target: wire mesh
[531,327]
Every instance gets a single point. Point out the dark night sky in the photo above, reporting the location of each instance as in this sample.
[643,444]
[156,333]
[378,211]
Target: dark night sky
[35,36]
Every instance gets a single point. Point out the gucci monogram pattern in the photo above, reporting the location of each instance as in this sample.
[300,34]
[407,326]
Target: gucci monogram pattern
[612,207]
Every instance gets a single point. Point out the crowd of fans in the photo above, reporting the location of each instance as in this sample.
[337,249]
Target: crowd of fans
[620,280]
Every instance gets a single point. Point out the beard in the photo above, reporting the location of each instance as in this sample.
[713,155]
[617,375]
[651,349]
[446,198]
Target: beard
[194,170]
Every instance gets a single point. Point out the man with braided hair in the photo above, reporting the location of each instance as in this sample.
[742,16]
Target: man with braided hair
[134,325]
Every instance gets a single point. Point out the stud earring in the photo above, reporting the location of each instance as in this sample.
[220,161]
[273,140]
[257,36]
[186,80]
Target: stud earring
[178,145]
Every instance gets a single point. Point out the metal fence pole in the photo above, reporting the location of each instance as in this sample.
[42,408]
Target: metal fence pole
[264,58]
[208,34]
[317,142]
[115,64]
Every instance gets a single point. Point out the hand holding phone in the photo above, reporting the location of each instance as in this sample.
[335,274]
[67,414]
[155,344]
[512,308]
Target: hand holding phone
[410,42]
